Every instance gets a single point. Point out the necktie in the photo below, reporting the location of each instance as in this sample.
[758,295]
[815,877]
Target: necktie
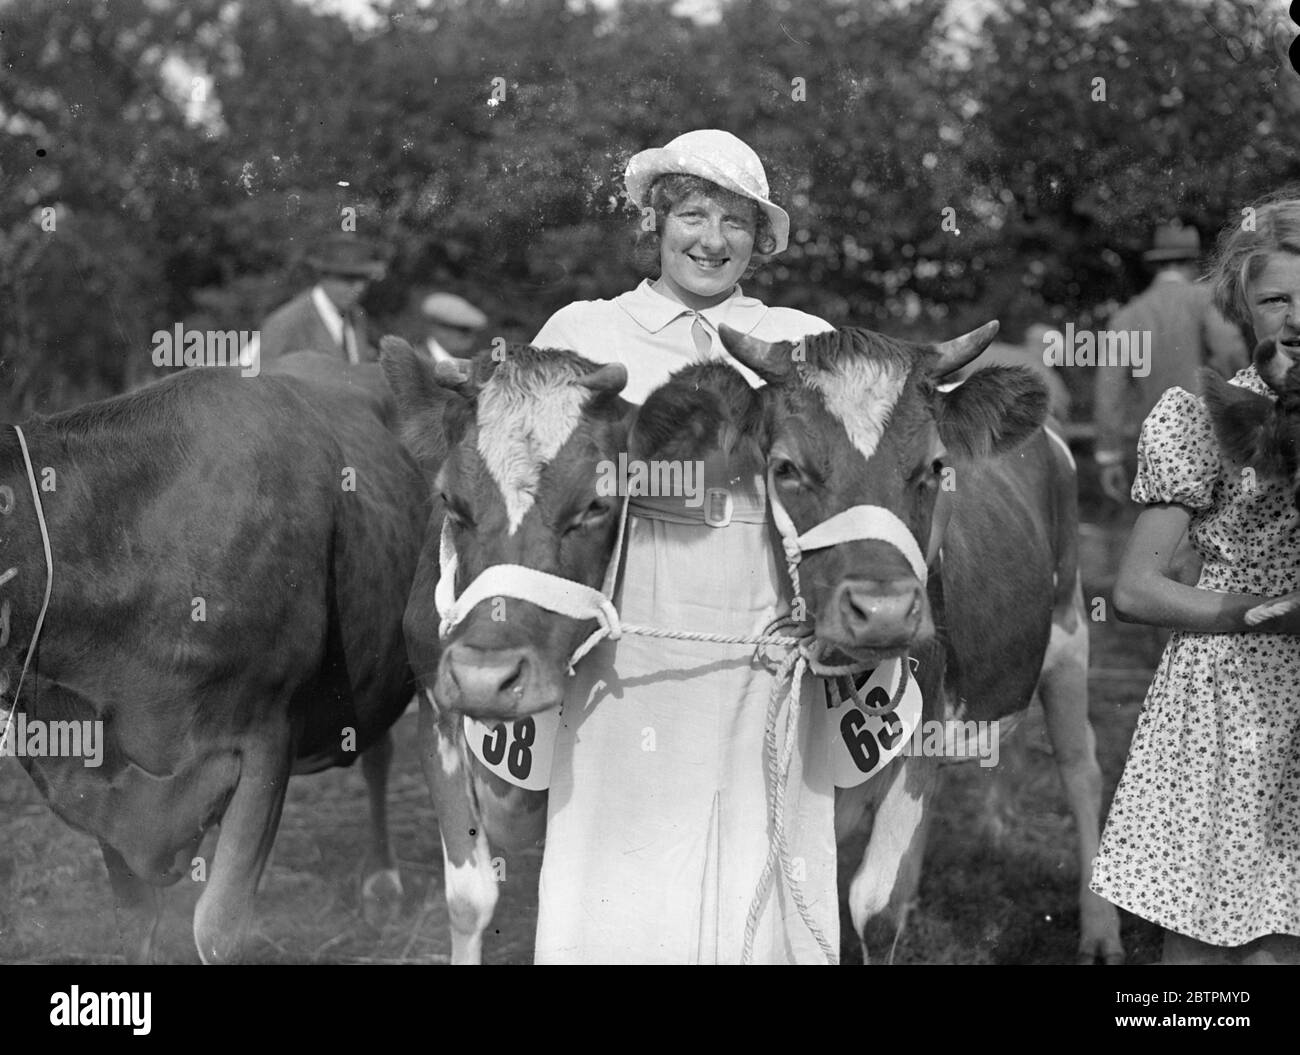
[703,342]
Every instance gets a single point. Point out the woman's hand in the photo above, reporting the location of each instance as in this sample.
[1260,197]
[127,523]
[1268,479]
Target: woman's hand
[1147,589]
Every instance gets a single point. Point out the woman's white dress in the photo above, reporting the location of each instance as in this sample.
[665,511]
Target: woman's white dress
[657,826]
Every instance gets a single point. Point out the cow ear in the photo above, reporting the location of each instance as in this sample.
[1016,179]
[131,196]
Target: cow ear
[992,411]
[772,362]
[610,379]
[432,408]
[1243,423]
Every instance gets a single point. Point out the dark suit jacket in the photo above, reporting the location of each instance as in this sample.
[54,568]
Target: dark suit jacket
[297,326]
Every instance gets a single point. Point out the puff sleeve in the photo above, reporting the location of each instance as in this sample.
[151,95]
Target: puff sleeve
[1178,456]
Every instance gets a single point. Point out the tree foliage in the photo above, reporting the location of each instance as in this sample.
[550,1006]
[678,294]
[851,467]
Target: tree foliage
[190,153]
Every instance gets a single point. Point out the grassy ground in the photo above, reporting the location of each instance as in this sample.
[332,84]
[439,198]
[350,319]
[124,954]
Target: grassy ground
[999,884]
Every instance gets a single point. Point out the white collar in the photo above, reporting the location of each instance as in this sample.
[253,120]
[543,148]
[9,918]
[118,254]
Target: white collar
[653,311]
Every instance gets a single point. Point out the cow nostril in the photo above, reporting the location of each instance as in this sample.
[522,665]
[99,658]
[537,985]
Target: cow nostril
[884,606]
[514,678]
[859,607]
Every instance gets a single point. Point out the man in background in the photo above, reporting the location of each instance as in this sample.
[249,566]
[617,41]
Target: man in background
[452,326]
[328,317]
[1187,333]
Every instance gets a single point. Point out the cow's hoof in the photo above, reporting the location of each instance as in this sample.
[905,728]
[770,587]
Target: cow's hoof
[1105,952]
[381,897]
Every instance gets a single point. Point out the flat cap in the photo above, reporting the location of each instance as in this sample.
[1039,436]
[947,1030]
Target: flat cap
[451,310]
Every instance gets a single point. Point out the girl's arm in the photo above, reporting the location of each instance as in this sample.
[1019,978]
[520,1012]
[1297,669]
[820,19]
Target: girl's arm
[1146,590]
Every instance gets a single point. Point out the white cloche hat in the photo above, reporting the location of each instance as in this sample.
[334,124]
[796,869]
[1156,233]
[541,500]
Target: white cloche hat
[717,156]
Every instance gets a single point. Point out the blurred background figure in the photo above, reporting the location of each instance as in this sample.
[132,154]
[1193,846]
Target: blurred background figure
[452,326]
[1187,332]
[328,317]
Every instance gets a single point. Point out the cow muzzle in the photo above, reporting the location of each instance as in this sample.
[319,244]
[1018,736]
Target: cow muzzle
[879,614]
[510,681]
[497,684]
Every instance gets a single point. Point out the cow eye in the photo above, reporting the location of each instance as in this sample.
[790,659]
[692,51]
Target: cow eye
[927,475]
[458,513]
[786,473]
[594,514]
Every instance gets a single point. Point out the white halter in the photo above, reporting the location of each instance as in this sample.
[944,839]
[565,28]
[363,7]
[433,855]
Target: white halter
[555,594]
[857,522]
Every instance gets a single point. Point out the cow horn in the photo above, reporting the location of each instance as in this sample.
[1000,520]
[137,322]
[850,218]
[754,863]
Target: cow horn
[772,362]
[611,378]
[954,354]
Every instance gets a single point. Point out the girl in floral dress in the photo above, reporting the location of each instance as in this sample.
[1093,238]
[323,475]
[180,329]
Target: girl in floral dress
[1203,837]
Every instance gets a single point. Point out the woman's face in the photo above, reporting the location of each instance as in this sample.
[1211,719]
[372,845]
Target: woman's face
[1274,300]
[705,247]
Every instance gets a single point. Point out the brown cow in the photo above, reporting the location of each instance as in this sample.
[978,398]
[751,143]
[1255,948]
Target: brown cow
[231,559]
[509,449]
[854,419]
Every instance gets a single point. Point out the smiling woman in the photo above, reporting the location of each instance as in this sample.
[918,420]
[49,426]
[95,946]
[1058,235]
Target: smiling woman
[708,237]
[657,826]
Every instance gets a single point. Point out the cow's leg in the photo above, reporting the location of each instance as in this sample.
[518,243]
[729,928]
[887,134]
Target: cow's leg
[137,907]
[884,886]
[381,887]
[471,887]
[225,909]
[1063,689]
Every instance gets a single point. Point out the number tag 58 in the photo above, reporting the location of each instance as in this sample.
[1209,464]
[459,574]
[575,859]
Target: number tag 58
[519,752]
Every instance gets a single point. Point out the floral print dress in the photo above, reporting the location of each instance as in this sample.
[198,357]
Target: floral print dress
[1203,837]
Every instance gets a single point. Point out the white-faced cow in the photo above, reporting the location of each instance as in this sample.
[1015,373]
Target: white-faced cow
[858,424]
[510,451]
[231,559]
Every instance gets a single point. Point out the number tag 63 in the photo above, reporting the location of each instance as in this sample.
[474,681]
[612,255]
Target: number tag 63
[519,752]
[862,744]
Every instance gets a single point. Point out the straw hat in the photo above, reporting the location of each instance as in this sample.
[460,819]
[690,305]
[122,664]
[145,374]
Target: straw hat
[717,156]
